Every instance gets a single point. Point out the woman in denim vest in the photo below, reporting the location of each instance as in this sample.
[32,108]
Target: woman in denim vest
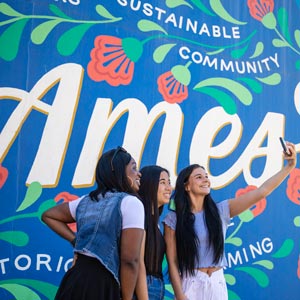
[195,231]
[110,229]
[155,191]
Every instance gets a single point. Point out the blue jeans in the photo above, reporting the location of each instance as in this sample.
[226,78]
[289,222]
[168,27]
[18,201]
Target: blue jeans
[156,288]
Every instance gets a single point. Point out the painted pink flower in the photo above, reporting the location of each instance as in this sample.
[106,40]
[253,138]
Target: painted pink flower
[262,10]
[3,175]
[293,186]
[67,197]
[257,208]
[173,85]
[113,59]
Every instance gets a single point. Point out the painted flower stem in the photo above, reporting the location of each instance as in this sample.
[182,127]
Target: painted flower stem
[58,19]
[197,43]
[289,45]
[18,217]
[235,231]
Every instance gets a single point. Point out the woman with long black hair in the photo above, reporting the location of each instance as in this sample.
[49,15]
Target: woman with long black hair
[155,191]
[195,231]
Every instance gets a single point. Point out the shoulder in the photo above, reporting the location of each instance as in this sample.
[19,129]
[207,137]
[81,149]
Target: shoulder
[131,200]
[224,210]
[170,220]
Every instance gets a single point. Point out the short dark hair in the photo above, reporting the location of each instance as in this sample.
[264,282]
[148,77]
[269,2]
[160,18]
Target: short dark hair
[112,179]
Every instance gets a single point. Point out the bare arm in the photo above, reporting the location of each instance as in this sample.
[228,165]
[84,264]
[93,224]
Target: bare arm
[243,202]
[58,218]
[131,242]
[170,239]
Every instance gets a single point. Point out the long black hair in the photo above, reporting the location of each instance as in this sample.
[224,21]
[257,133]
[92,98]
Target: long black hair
[187,242]
[148,194]
[110,173]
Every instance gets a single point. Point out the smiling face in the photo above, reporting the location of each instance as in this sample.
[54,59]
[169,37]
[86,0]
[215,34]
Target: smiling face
[198,183]
[164,189]
[133,175]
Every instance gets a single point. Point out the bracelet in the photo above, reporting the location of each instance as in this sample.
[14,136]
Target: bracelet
[73,242]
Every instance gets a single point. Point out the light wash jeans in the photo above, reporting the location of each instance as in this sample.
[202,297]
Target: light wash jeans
[156,288]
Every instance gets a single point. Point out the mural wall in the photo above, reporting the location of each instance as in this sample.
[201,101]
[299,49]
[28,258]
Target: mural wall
[175,82]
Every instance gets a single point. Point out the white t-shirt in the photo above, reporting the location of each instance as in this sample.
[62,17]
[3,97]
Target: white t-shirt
[132,210]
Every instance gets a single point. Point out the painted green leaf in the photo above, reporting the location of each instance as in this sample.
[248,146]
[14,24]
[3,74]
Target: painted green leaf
[246,216]
[202,7]
[223,98]
[283,21]
[232,295]
[215,52]
[20,292]
[34,191]
[234,87]
[230,279]
[70,40]
[238,53]
[44,206]
[169,288]
[297,37]
[103,12]
[297,221]
[273,79]
[259,48]
[55,10]
[234,241]
[161,52]
[146,26]
[8,10]
[10,40]
[297,64]
[285,249]
[255,86]
[219,9]
[40,33]
[16,238]
[260,277]
[45,288]
[176,3]
[279,43]
[265,263]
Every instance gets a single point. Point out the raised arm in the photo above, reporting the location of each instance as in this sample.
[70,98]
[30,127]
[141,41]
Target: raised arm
[245,201]
[170,239]
[58,218]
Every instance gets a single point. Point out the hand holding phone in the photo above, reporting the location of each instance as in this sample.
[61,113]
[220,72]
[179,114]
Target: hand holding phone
[284,147]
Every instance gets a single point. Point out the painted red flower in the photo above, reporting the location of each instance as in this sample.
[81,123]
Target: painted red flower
[112,59]
[293,186]
[173,85]
[262,10]
[3,175]
[257,208]
[67,197]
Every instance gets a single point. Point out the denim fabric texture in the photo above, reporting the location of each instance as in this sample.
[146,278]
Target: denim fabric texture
[156,288]
[99,226]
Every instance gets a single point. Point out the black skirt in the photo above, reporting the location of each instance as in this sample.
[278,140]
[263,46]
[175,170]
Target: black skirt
[88,280]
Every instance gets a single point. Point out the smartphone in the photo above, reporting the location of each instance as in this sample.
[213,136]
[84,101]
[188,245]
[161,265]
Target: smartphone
[284,147]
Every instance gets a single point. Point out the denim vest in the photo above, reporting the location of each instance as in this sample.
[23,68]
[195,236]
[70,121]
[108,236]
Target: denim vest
[99,226]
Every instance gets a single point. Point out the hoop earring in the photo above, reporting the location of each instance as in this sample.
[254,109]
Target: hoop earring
[131,185]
